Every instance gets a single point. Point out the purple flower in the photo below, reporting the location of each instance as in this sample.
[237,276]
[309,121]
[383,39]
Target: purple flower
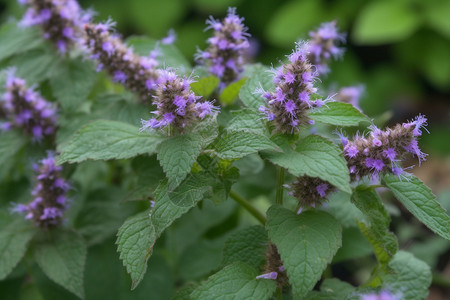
[309,191]
[323,46]
[350,94]
[271,275]
[170,38]
[382,295]
[224,56]
[50,201]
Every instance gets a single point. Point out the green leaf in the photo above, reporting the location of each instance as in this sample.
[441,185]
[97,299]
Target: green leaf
[332,289]
[169,56]
[177,154]
[421,202]
[236,281]
[437,16]
[135,241]
[247,120]
[231,92]
[237,144]
[205,86]
[104,139]
[73,82]
[342,209]
[14,238]
[36,65]
[306,243]
[315,157]
[261,78]
[10,143]
[62,258]
[354,245]
[411,277]
[383,242]
[16,40]
[385,21]
[247,245]
[339,114]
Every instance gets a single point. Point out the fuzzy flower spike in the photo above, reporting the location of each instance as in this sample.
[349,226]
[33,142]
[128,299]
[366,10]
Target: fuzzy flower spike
[50,201]
[227,47]
[382,151]
[309,191]
[136,73]
[25,108]
[323,46]
[288,106]
[61,20]
[177,106]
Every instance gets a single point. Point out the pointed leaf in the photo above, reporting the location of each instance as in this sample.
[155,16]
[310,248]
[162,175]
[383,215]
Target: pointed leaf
[421,202]
[260,78]
[340,114]
[306,243]
[62,259]
[205,86]
[230,93]
[104,139]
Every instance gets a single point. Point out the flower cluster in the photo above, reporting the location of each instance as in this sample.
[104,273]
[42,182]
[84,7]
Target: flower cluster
[177,106]
[310,191]
[25,108]
[323,46]
[61,20]
[350,94]
[225,53]
[274,268]
[383,295]
[288,106]
[50,201]
[136,73]
[382,151]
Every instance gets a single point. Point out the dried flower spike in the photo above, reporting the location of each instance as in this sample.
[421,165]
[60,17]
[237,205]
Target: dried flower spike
[25,108]
[288,106]
[177,106]
[61,20]
[50,200]
[323,46]
[382,151]
[225,54]
[136,73]
[310,191]
[274,268]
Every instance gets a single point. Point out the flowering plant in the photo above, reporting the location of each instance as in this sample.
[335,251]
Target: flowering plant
[129,139]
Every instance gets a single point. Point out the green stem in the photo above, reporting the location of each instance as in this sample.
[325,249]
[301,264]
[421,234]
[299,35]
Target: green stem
[280,183]
[279,294]
[252,210]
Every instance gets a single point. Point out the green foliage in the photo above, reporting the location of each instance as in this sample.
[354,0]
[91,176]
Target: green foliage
[15,40]
[205,86]
[340,114]
[231,92]
[332,289]
[108,140]
[306,243]
[236,281]
[260,78]
[421,202]
[62,258]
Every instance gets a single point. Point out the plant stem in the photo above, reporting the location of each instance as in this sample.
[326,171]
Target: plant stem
[279,294]
[252,210]
[280,183]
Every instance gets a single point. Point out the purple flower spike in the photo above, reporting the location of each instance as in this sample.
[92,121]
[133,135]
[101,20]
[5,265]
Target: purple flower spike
[310,191]
[289,104]
[176,104]
[382,150]
[136,73]
[323,46]
[25,108]
[225,54]
[50,201]
[170,38]
[60,20]
[350,94]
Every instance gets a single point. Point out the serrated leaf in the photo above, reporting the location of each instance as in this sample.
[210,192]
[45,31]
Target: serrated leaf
[15,40]
[421,202]
[247,120]
[169,55]
[342,209]
[247,245]
[339,114]
[36,65]
[10,144]
[231,92]
[377,232]
[205,86]
[14,238]
[315,157]
[135,241]
[237,144]
[332,289]
[354,245]
[260,78]
[73,82]
[177,154]
[236,281]
[306,243]
[411,277]
[102,140]
[62,259]
[385,22]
